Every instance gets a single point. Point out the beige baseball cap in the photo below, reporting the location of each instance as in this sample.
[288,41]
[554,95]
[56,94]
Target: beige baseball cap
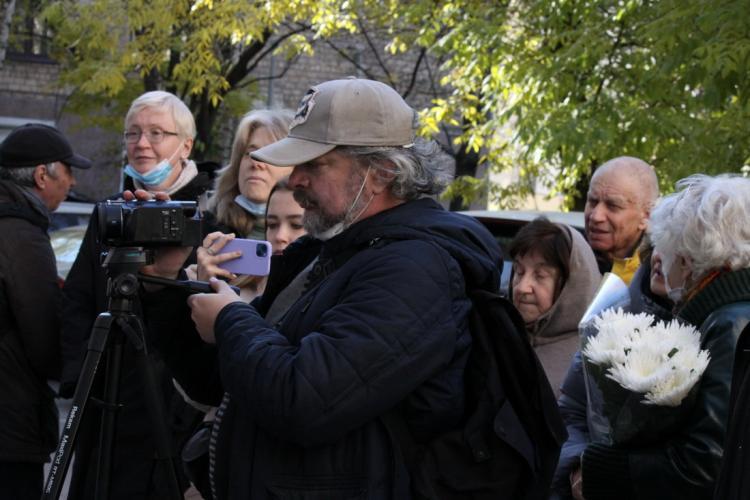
[349,112]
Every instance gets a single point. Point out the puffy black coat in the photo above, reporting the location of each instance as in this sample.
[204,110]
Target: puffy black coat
[29,329]
[734,478]
[380,326]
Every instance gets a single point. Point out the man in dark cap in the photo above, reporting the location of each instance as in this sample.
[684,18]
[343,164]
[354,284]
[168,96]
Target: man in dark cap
[35,177]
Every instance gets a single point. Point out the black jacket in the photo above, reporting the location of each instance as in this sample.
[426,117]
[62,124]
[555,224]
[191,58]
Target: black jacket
[380,326]
[572,401]
[685,465]
[29,328]
[734,479]
[135,473]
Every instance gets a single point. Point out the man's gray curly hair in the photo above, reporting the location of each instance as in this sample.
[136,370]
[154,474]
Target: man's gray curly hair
[707,220]
[420,170]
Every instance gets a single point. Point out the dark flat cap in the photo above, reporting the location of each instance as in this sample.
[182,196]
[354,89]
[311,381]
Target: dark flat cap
[35,144]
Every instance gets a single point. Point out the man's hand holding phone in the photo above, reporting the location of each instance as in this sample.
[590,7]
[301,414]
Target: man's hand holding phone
[205,307]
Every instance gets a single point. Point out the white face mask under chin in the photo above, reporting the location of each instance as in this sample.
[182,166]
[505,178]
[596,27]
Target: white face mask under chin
[348,220]
[675,294]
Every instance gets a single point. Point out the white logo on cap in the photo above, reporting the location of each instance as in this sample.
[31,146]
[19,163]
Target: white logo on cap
[306,104]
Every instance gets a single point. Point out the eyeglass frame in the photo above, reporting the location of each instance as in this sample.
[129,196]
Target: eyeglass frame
[140,133]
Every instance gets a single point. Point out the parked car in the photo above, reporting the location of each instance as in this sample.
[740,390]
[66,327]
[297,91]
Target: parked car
[504,224]
[67,228]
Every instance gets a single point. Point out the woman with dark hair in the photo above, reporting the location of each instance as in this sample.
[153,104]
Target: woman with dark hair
[554,278]
[283,217]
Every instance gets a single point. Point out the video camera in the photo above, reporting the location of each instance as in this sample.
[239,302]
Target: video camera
[149,223]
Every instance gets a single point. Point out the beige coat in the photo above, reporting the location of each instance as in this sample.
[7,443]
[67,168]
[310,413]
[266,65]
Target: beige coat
[555,334]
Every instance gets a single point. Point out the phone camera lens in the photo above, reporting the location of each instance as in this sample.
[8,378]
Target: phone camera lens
[261,250]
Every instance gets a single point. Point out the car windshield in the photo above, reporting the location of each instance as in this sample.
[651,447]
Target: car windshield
[67,228]
[66,243]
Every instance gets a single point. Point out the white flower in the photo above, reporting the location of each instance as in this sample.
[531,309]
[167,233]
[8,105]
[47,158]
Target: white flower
[674,386]
[663,361]
[639,371]
[616,333]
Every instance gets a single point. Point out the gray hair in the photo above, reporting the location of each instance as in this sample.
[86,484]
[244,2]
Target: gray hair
[183,118]
[639,169]
[707,220]
[24,176]
[419,170]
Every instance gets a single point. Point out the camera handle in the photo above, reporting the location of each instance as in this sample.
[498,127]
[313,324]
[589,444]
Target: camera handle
[111,330]
[192,286]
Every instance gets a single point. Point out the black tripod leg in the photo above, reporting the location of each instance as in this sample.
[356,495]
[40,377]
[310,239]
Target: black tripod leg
[154,403]
[109,415]
[97,343]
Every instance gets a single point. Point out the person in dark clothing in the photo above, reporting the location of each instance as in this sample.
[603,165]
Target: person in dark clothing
[379,314]
[284,226]
[35,177]
[709,270]
[698,233]
[646,294]
[159,132]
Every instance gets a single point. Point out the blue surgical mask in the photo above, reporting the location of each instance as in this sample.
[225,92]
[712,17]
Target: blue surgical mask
[155,176]
[256,209]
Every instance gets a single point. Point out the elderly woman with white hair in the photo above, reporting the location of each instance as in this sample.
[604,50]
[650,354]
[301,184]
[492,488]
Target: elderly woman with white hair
[159,130]
[702,233]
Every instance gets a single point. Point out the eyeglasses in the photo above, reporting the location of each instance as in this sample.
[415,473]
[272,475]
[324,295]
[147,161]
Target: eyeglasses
[154,136]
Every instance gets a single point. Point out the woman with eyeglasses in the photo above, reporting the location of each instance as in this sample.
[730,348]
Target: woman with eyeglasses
[159,132]
[158,139]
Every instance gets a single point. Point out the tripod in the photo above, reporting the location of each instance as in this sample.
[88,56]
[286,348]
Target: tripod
[111,331]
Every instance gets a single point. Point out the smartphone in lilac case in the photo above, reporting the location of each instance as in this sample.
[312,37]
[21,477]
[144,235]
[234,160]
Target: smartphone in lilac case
[255,259]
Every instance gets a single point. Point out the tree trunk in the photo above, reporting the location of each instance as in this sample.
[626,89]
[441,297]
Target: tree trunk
[466,164]
[582,188]
[8,11]
[205,117]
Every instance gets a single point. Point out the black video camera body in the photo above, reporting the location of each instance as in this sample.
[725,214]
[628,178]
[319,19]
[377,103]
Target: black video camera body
[149,223]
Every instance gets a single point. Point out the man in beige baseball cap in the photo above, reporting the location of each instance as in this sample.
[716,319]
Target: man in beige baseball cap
[334,121]
[351,112]
[368,317]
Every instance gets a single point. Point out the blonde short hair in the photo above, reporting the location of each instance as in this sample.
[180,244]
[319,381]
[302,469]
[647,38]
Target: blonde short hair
[226,188]
[183,118]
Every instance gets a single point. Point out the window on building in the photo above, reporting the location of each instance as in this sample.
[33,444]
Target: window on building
[30,37]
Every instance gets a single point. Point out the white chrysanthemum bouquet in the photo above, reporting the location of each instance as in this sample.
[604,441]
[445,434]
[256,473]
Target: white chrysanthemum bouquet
[644,371]
[661,360]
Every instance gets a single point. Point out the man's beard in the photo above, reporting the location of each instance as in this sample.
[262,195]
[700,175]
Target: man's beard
[319,221]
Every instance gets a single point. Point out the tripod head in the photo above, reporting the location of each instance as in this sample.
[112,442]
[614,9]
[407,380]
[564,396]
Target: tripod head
[122,266]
